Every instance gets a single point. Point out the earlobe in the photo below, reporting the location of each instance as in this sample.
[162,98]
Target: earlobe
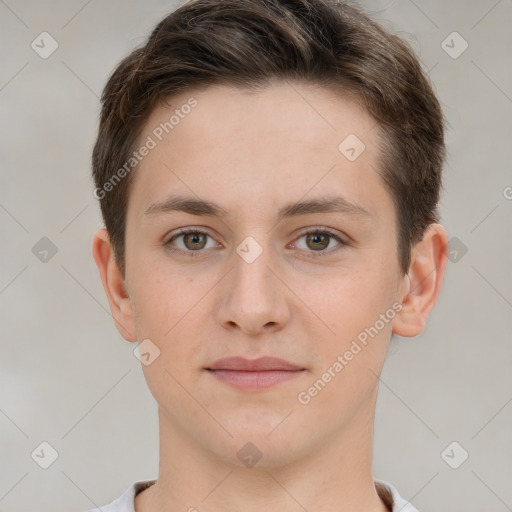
[114,285]
[425,279]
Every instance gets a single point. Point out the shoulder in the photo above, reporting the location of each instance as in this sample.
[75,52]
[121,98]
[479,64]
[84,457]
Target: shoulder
[125,502]
[390,496]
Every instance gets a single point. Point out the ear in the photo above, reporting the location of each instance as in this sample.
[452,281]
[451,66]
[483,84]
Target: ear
[114,285]
[423,282]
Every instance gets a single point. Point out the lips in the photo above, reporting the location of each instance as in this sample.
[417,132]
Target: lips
[262,364]
[254,374]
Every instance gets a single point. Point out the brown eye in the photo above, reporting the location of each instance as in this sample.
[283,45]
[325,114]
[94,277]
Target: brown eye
[194,241]
[189,242]
[318,240]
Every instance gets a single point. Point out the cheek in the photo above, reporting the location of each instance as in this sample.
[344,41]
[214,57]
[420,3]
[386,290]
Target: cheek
[350,358]
[168,308]
[158,304]
[165,312]
[349,301]
[352,306]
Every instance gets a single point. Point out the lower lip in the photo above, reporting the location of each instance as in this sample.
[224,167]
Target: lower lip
[254,380]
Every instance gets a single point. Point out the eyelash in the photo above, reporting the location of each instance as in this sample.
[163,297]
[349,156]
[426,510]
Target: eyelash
[200,253]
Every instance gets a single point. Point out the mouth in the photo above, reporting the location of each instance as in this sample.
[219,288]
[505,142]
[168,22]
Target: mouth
[256,374]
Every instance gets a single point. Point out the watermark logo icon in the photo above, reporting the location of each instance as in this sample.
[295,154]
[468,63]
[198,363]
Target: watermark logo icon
[454,45]
[249,454]
[44,250]
[44,455]
[249,249]
[44,45]
[457,249]
[146,352]
[351,147]
[454,455]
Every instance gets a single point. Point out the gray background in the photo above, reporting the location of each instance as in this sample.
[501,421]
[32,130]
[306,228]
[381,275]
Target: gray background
[68,378]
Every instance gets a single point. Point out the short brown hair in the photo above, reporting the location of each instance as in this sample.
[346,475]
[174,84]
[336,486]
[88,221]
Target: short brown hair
[245,43]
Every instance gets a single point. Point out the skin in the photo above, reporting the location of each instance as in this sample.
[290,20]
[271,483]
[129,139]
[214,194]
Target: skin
[251,154]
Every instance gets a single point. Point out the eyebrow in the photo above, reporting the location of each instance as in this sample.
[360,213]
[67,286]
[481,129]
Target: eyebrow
[195,206]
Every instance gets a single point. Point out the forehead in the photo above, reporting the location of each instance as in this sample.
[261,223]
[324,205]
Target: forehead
[287,141]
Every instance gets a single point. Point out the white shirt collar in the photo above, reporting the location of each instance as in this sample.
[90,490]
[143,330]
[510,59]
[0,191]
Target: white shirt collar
[126,502]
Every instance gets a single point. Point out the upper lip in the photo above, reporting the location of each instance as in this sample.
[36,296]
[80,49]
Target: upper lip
[253,365]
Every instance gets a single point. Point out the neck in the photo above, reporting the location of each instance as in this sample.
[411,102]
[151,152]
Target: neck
[335,476]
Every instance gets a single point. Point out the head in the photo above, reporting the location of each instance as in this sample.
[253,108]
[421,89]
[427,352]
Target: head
[229,115]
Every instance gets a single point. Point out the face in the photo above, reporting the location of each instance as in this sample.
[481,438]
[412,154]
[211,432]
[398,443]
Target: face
[316,286]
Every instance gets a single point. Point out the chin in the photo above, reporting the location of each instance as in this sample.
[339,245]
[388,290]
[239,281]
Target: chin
[257,446]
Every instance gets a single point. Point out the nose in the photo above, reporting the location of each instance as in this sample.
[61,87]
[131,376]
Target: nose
[254,299]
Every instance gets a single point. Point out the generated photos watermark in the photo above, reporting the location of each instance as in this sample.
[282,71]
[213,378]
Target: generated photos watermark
[305,397]
[150,143]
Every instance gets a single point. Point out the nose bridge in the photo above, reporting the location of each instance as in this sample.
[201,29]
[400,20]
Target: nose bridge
[251,273]
[254,297]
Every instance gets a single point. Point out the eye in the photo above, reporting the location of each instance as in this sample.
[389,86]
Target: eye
[318,240]
[194,241]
